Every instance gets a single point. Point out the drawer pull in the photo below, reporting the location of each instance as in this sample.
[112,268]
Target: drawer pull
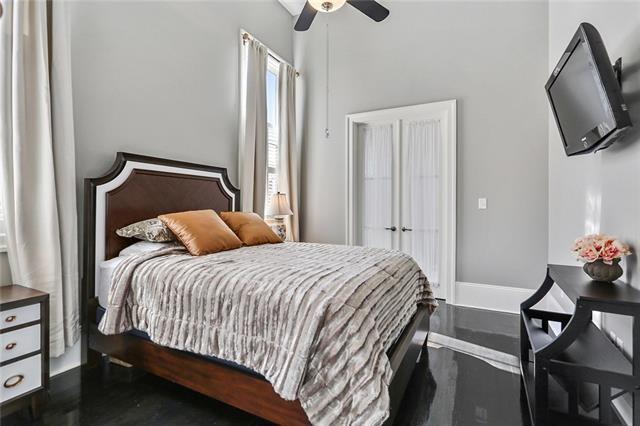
[13,381]
[12,318]
[11,346]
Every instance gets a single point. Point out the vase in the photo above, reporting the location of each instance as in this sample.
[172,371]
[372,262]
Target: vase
[600,271]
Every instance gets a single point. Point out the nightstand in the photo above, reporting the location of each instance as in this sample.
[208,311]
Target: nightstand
[24,349]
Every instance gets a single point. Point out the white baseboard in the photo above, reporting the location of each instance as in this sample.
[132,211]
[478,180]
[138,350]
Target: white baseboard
[491,297]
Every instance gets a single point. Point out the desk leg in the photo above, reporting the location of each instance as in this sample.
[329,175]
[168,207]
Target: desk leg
[636,369]
[542,392]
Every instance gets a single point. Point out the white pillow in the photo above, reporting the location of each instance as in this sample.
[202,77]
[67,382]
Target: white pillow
[142,247]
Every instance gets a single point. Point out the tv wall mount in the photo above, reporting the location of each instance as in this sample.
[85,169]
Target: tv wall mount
[617,69]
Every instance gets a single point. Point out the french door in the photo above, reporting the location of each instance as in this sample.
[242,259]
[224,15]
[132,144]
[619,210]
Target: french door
[401,186]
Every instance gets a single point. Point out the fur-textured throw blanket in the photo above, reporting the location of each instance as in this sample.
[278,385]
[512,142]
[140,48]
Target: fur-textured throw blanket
[315,320]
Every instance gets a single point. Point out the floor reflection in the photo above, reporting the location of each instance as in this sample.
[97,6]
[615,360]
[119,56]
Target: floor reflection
[495,330]
[450,388]
[419,396]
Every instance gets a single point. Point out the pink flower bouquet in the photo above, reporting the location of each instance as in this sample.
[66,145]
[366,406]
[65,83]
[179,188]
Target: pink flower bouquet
[600,247]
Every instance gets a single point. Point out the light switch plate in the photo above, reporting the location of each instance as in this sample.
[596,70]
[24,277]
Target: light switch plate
[482,203]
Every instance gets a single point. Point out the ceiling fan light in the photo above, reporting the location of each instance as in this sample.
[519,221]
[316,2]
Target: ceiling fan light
[327,6]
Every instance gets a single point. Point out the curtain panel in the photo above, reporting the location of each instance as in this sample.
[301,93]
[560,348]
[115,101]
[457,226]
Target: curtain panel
[421,206]
[252,147]
[376,145]
[289,176]
[37,159]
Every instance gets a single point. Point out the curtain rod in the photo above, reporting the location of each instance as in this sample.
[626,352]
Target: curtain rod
[248,36]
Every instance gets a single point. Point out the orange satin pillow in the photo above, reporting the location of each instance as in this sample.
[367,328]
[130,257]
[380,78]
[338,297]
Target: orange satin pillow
[201,231]
[250,228]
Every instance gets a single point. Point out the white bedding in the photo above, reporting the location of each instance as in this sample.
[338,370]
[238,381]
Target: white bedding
[315,320]
[104,279]
[107,267]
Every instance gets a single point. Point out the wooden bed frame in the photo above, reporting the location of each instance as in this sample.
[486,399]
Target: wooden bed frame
[140,187]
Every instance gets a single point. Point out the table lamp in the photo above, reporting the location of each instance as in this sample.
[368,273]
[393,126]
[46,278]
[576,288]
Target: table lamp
[279,207]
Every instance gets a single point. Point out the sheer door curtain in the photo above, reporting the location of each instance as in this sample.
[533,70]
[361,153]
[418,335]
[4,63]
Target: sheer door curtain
[37,172]
[376,203]
[421,197]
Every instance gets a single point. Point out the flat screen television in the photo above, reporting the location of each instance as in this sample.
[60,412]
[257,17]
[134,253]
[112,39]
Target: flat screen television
[585,96]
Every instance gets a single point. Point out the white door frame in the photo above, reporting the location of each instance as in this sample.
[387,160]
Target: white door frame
[446,110]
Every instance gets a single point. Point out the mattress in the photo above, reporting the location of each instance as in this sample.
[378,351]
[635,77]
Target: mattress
[104,279]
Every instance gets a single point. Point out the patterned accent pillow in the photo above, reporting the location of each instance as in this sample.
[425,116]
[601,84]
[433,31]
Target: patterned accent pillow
[153,230]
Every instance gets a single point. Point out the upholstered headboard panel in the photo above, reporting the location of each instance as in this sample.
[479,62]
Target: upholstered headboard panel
[140,187]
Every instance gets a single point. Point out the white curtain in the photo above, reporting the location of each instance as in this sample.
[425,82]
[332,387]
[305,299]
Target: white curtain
[252,150]
[37,170]
[289,174]
[376,199]
[3,232]
[421,195]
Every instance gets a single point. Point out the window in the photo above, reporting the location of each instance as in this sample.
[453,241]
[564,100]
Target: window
[273,130]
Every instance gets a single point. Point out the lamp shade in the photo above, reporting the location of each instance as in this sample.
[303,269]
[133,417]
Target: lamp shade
[279,206]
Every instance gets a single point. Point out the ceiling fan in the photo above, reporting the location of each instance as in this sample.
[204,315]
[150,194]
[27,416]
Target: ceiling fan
[371,8]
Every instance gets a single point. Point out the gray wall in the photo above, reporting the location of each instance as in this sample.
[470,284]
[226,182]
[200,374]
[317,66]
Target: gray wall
[491,57]
[161,78]
[598,192]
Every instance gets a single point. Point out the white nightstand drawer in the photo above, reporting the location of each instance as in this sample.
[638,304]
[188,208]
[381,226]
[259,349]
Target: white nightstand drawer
[19,316]
[20,377]
[19,342]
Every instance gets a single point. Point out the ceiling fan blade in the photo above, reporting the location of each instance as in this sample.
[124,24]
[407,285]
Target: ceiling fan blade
[306,18]
[371,8]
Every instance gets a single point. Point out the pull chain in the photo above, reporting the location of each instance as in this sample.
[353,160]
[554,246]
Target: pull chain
[326,129]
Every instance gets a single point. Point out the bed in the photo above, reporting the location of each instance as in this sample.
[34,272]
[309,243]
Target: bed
[140,187]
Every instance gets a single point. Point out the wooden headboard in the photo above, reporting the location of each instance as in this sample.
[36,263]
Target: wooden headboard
[138,187]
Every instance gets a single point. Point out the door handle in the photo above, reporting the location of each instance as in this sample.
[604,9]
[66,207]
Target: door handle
[392,229]
[406,229]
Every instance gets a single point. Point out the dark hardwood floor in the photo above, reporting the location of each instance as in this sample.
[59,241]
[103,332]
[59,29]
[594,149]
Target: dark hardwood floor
[447,387]
[495,330]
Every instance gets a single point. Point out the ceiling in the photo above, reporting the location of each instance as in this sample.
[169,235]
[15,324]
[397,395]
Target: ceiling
[293,6]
